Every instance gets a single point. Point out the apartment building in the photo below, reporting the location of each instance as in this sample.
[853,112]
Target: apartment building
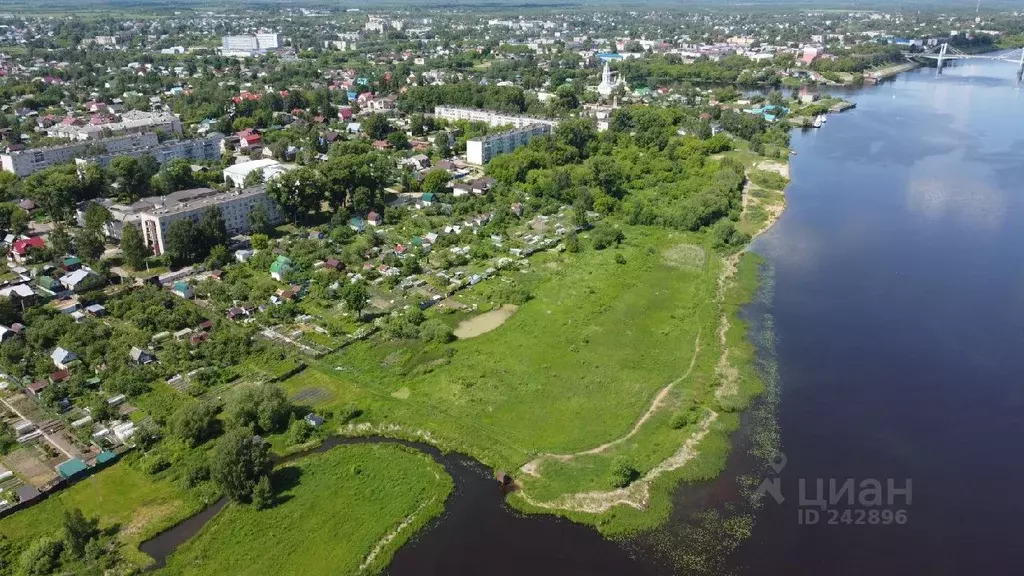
[480,150]
[235,206]
[490,118]
[246,44]
[131,122]
[207,148]
[26,162]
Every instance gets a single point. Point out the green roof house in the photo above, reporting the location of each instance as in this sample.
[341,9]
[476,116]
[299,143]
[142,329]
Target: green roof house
[49,283]
[428,198]
[182,289]
[280,267]
[71,468]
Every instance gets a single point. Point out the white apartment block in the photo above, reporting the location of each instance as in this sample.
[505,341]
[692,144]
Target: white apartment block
[207,148]
[131,122]
[235,206]
[25,162]
[239,43]
[480,150]
[489,117]
[268,40]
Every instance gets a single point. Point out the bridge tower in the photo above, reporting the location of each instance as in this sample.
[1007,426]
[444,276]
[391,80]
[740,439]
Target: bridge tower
[942,56]
[1020,67]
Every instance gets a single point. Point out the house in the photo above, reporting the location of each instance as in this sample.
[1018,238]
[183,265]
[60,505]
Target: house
[459,189]
[280,267]
[70,264]
[62,358]
[198,337]
[237,312]
[417,162]
[182,334]
[140,356]
[36,388]
[21,294]
[358,224]
[243,255]
[249,138]
[313,420]
[96,310]
[71,468]
[182,289]
[428,198]
[12,331]
[374,219]
[333,264]
[354,128]
[205,326]
[73,280]
[482,185]
[28,494]
[20,248]
[59,376]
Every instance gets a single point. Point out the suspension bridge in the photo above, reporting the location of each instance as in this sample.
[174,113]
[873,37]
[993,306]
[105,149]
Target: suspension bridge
[944,53]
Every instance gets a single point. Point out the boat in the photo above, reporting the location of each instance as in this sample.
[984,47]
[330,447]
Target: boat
[824,118]
[817,122]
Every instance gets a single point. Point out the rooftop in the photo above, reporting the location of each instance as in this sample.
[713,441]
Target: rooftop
[198,198]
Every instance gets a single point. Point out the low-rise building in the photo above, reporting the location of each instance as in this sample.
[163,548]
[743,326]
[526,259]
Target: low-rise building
[480,150]
[235,207]
[235,175]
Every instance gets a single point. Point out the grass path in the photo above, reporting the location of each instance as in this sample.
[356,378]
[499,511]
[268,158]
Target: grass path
[532,467]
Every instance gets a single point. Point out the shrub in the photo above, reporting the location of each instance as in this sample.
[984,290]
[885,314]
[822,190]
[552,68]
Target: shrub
[436,331]
[620,259]
[623,473]
[605,236]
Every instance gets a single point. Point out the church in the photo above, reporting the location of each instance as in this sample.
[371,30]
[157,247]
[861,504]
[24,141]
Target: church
[607,86]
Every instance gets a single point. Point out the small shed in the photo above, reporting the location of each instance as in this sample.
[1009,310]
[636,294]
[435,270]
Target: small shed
[28,494]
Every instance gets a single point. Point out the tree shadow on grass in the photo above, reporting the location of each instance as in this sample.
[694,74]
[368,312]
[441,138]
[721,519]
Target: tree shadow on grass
[283,480]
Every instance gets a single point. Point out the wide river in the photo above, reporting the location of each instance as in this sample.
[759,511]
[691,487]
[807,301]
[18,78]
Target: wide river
[895,293]
[897,296]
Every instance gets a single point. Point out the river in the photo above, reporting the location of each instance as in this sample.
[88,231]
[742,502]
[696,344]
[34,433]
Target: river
[893,306]
[897,305]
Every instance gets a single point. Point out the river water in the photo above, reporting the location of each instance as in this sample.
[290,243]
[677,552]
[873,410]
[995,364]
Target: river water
[892,314]
[897,300]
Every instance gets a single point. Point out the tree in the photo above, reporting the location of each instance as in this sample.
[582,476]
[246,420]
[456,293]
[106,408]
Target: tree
[195,424]
[623,473]
[435,181]
[212,229]
[133,247]
[417,125]
[42,557]
[263,494]
[572,243]
[376,126]
[8,315]
[176,175]
[60,240]
[399,141]
[12,218]
[182,241]
[436,331]
[259,222]
[298,191]
[254,178]
[96,217]
[79,530]
[260,241]
[442,142]
[265,408]
[131,176]
[355,297]
[218,257]
[89,244]
[240,460]
[578,133]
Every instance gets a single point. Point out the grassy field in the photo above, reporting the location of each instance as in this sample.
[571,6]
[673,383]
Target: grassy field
[139,504]
[342,505]
[573,368]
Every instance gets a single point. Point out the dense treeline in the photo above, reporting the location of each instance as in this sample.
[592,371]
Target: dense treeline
[664,70]
[466,94]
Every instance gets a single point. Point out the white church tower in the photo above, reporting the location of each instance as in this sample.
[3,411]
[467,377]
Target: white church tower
[606,87]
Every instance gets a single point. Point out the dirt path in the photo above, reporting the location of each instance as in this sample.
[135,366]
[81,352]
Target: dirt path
[637,494]
[532,467]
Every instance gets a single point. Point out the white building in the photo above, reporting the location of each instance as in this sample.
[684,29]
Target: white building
[239,43]
[207,148]
[235,175]
[480,150]
[25,162]
[131,122]
[268,40]
[235,207]
[490,118]
[607,86]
